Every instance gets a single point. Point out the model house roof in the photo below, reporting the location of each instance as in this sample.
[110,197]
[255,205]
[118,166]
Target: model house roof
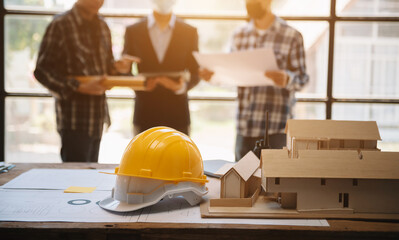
[332,129]
[331,164]
[247,166]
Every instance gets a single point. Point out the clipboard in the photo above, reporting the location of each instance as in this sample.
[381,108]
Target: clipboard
[134,82]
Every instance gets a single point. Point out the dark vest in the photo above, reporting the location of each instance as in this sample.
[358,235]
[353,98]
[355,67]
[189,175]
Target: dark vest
[162,107]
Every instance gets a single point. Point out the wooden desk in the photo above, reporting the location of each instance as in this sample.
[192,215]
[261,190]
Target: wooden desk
[339,229]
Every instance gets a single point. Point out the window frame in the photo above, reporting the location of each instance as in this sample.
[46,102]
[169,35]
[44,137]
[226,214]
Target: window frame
[329,100]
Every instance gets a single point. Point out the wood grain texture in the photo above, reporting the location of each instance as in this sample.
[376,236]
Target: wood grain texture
[134,82]
[331,164]
[339,229]
[247,166]
[332,129]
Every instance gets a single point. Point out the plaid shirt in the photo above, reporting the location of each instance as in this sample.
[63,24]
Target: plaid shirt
[73,46]
[255,101]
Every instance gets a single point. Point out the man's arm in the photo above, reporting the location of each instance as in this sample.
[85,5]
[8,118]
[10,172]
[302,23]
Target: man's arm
[50,63]
[296,70]
[111,69]
[192,63]
[123,66]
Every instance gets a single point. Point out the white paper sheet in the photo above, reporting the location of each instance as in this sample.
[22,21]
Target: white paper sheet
[57,206]
[177,210]
[22,200]
[61,179]
[241,68]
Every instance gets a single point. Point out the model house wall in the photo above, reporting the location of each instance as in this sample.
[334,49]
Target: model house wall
[331,135]
[233,186]
[365,182]
[240,185]
[366,196]
[252,185]
[239,181]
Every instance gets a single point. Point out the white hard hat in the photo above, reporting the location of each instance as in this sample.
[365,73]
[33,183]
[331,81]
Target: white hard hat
[133,193]
[157,163]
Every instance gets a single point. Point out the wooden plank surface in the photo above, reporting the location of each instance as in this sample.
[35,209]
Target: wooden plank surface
[339,229]
[133,82]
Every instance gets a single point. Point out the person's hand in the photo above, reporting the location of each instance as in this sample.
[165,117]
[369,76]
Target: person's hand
[94,87]
[125,63]
[280,78]
[171,84]
[205,74]
[151,83]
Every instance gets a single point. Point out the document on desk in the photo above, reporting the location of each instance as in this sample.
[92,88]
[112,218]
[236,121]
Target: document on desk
[61,179]
[241,68]
[38,195]
[57,206]
[178,210]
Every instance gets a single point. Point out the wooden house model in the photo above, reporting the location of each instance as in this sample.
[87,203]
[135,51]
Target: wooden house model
[333,167]
[240,185]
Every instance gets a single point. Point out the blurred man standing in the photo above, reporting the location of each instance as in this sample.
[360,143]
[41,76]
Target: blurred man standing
[164,43]
[77,43]
[265,30]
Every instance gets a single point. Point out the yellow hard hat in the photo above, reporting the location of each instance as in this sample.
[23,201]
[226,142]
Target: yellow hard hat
[162,153]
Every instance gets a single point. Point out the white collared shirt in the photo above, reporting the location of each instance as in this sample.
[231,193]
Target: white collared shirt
[160,38]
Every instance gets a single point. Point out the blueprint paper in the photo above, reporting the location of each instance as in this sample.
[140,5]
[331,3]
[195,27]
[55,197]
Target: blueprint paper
[241,68]
[178,210]
[37,196]
[57,206]
[61,179]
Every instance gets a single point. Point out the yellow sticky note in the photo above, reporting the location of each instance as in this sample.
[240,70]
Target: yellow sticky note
[74,189]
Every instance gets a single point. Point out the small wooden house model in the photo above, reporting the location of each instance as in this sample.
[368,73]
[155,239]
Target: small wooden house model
[240,185]
[329,168]
[331,135]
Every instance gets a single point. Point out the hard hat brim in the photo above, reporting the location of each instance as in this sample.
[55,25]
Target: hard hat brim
[114,205]
[117,206]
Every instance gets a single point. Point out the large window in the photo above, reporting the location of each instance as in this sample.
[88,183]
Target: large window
[352,50]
